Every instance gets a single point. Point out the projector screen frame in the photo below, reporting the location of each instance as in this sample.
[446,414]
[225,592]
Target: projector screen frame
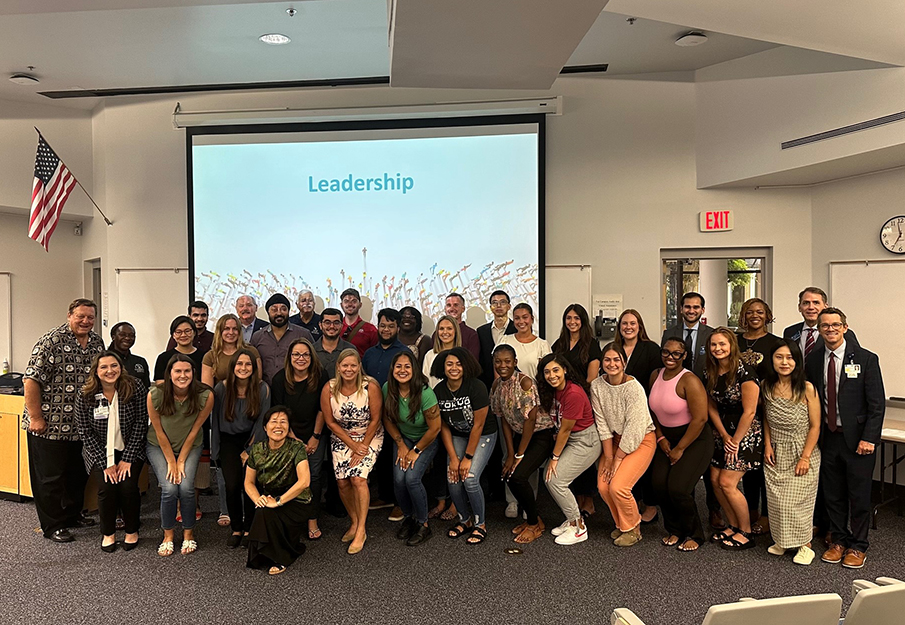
[336,126]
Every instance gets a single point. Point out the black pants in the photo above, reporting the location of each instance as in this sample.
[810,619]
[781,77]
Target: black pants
[58,481]
[713,504]
[755,491]
[539,449]
[113,498]
[383,473]
[673,484]
[846,478]
[240,507]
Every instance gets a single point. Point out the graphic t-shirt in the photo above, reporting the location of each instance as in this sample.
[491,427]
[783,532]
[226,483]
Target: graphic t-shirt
[457,407]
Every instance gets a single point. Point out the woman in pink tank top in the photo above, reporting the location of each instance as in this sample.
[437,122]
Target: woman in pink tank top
[678,404]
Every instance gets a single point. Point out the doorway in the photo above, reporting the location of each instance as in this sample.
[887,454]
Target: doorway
[726,277]
[95,289]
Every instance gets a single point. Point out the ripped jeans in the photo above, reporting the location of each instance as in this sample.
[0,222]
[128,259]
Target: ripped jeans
[468,495]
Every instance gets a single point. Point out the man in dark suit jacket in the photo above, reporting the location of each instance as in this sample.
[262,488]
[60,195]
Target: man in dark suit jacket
[490,333]
[810,302]
[247,310]
[693,333]
[848,381]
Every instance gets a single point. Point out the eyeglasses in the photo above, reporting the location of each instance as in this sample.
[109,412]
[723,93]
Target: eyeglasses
[665,353]
[182,332]
[298,356]
[336,323]
[831,326]
[499,302]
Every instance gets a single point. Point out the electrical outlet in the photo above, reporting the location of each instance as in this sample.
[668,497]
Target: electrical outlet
[77,229]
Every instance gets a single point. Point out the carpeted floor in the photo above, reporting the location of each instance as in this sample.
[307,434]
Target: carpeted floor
[442,581]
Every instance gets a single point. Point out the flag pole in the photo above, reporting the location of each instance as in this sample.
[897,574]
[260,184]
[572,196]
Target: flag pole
[108,222]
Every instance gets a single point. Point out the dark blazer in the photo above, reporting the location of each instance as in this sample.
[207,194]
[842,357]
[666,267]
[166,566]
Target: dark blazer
[862,400]
[645,359]
[793,333]
[700,346]
[485,336]
[133,422]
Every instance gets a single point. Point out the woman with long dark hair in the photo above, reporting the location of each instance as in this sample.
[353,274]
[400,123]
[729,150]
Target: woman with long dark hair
[239,402]
[563,394]
[529,348]
[177,408]
[410,324]
[739,445]
[468,435]
[791,457]
[112,417]
[298,386]
[412,419]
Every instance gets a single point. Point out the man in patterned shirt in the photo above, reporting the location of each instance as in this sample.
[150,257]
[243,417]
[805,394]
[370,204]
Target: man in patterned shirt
[55,374]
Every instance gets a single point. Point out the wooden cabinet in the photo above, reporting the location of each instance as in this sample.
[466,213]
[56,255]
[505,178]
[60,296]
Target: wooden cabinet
[14,480]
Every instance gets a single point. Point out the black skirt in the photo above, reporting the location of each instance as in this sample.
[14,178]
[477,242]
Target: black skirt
[275,534]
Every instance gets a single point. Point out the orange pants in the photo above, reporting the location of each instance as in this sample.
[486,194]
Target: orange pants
[618,493]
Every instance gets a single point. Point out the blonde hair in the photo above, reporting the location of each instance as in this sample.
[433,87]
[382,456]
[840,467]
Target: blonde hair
[457,339]
[217,343]
[337,383]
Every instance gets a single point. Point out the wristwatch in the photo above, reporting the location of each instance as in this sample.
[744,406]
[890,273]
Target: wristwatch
[469,456]
[316,435]
[279,501]
[416,450]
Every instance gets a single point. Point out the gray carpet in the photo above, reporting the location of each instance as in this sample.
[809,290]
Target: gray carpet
[442,581]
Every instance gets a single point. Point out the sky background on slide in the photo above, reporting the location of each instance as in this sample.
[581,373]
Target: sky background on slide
[473,201]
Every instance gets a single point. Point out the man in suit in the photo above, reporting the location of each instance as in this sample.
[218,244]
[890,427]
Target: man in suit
[490,334]
[696,335]
[848,380]
[247,310]
[810,302]
[693,333]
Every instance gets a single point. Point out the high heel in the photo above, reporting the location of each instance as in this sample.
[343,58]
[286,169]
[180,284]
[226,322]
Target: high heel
[109,548]
[129,546]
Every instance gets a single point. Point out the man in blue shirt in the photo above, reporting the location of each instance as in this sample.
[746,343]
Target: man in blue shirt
[376,363]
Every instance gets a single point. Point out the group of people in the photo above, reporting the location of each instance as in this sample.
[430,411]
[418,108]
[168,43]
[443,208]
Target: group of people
[795,420]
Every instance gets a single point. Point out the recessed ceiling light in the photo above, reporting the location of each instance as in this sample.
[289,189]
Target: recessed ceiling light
[693,38]
[24,79]
[274,39]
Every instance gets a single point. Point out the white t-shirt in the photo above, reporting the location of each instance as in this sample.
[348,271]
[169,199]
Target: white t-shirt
[528,354]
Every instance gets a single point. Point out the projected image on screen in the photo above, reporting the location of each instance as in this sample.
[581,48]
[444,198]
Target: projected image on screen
[405,216]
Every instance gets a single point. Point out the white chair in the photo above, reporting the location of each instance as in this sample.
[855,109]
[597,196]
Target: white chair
[882,603]
[802,610]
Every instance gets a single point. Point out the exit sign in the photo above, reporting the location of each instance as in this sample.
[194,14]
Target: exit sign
[716,221]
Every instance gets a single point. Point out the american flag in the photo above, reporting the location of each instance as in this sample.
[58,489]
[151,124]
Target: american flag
[52,186]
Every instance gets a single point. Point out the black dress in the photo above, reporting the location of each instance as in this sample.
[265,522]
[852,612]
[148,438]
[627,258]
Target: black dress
[755,353]
[645,359]
[573,355]
[728,401]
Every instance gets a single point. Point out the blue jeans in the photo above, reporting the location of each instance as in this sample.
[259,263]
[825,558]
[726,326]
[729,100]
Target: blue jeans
[170,493]
[468,495]
[408,485]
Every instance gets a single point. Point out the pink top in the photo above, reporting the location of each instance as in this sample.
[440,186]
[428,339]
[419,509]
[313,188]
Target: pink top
[671,410]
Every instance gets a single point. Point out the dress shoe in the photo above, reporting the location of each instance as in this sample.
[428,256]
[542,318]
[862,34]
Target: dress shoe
[396,514]
[85,521]
[422,534]
[108,548]
[854,559]
[129,546]
[377,504]
[234,540]
[408,527]
[62,536]
[833,554]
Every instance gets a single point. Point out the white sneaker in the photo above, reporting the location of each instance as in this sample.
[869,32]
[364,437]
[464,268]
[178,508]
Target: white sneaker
[775,550]
[804,556]
[573,535]
[512,510]
[557,531]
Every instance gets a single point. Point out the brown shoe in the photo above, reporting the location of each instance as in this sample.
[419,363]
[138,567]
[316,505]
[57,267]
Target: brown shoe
[854,559]
[833,555]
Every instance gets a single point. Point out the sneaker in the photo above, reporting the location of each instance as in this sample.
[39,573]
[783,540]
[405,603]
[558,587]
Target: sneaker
[377,504]
[396,514]
[408,527]
[422,534]
[804,556]
[512,510]
[776,550]
[574,534]
[556,531]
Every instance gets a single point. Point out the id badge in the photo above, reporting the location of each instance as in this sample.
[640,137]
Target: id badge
[852,370]
[102,412]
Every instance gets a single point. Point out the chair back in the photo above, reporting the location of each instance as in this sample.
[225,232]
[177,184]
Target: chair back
[800,610]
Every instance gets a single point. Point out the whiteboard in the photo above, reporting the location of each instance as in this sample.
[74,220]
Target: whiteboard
[564,285]
[6,327]
[872,297]
[150,300]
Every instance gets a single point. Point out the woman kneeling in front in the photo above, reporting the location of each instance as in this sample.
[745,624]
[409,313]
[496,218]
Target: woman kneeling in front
[277,480]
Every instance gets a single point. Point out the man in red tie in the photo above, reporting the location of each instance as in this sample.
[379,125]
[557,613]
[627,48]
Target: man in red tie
[847,378]
[810,302]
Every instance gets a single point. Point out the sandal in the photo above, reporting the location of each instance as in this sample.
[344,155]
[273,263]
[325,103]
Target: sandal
[189,546]
[223,520]
[757,529]
[685,548]
[518,529]
[449,514]
[478,534]
[732,543]
[722,535]
[457,530]
[436,511]
[314,534]
[165,548]
[530,534]
[276,570]
[669,542]
[198,514]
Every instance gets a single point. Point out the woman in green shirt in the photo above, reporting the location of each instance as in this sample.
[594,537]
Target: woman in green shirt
[277,480]
[412,419]
[178,407]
